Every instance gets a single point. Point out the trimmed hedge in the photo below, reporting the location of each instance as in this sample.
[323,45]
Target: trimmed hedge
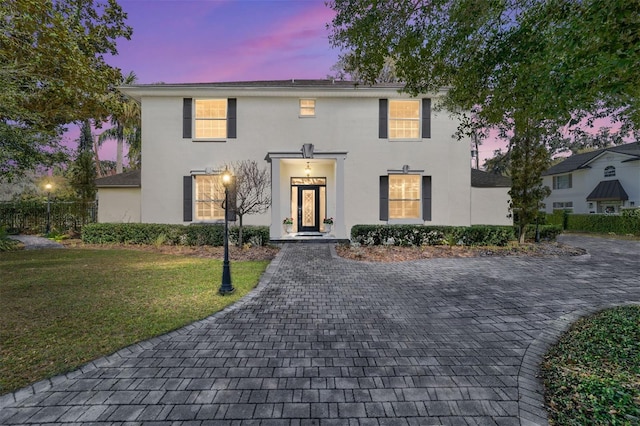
[628,222]
[163,234]
[419,235]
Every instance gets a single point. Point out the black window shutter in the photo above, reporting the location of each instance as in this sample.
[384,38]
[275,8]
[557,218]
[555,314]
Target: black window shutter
[186,118]
[426,197]
[382,119]
[233,195]
[426,118]
[231,118]
[384,197]
[187,202]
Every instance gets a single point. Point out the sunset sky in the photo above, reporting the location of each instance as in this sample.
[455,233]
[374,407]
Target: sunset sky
[194,41]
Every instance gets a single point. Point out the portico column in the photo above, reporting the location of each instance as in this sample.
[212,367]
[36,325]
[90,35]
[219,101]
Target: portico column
[340,230]
[275,230]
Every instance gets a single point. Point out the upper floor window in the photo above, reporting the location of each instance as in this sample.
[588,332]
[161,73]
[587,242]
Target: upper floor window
[211,118]
[404,119]
[609,171]
[562,182]
[209,197]
[307,107]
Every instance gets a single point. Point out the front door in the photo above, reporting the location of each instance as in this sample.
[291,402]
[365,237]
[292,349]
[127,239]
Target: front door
[309,208]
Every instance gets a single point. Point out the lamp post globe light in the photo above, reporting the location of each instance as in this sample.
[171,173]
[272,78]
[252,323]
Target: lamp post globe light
[48,226]
[226,287]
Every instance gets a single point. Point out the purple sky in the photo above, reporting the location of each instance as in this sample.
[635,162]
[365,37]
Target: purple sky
[194,41]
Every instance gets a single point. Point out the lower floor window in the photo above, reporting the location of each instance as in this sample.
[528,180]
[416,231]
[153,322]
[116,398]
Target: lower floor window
[209,197]
[404,196]
[563,205]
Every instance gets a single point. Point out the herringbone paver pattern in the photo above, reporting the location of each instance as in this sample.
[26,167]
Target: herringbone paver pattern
[326,341]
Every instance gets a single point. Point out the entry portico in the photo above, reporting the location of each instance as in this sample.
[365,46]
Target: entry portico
[307,186]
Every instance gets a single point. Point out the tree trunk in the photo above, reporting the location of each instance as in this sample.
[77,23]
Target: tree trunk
[120,148]
[240,237]
[521,230]
[98,165]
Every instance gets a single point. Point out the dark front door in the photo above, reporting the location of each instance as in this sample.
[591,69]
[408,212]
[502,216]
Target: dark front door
[309,208]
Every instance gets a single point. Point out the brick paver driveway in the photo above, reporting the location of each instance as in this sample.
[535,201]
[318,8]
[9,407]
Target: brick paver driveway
[328,341]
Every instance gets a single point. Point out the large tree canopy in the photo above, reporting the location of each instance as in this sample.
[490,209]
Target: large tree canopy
[53,72]
[525,67]
[561,59]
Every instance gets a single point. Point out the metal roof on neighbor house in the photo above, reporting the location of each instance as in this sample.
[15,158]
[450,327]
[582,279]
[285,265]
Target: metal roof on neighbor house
[122,180]
[580,161]
[608,190]
[481,179]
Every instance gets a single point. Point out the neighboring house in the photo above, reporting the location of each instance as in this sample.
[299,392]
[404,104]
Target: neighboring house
[601,181]
[119,197]
[357,154]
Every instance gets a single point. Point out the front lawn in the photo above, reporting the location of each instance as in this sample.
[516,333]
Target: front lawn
[592,375]
[62,308]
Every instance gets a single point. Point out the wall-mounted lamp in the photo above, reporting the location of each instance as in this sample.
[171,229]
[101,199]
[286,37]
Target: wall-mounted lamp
[307,170]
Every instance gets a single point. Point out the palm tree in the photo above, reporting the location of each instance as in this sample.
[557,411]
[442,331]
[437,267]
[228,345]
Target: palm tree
[125,125]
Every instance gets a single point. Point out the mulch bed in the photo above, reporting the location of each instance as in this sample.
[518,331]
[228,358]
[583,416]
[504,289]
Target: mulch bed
[362,253]
[403,254]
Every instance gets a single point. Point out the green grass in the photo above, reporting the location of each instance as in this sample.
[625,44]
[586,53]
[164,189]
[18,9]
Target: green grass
[62,308]
[592,375]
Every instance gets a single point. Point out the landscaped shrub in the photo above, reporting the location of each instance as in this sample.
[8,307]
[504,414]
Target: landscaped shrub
[419,235]
[163,234]
[547,232]
[254,235]
[6,243]
[627,223]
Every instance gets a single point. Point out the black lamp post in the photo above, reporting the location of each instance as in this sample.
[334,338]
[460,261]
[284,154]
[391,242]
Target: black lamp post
[226,287]
[48,227]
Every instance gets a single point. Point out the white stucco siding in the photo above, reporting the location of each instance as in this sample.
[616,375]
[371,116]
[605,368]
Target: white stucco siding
[490,206]
[118,205]
[345,126]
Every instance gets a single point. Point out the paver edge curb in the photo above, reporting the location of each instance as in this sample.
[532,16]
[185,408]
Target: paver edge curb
[531,405]
[19,395]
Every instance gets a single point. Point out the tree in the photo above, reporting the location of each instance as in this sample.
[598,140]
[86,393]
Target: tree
[345,69]
[82,172]
[251,191]
[125,122]
[499,164]
[528,67]
[52,72]
[566,59]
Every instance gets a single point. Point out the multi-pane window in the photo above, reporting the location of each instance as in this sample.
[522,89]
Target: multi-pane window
[209,197]
[404,196]
[609,171]
[562,182]
[404,119]
[563,205]
[211,118]
[307,107]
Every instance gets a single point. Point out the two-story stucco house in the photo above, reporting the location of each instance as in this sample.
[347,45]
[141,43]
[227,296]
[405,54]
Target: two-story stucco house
[601,181]
[357,154]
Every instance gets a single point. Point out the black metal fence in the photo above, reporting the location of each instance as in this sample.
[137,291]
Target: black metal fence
[30,217]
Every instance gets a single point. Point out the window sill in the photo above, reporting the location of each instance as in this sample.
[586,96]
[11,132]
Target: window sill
[209,140]
[405,140]
[306,116]
[412,221]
